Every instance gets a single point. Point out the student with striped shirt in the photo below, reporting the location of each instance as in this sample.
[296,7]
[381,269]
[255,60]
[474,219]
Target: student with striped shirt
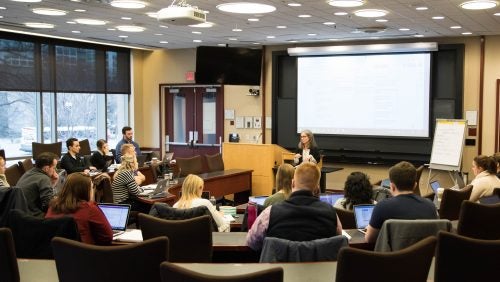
[125,187]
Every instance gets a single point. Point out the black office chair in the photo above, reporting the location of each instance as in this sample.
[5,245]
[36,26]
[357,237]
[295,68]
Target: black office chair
[8,266]
[38,148]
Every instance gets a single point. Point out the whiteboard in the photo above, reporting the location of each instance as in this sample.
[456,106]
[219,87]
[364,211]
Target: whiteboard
[448,144]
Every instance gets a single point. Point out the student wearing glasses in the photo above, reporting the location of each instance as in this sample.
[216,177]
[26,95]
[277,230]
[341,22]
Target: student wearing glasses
[307,149]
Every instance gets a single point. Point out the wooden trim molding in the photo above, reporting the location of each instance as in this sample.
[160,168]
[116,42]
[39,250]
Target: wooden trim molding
[497,118]
[481,98]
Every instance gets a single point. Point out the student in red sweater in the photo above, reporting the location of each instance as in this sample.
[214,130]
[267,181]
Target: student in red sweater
[77,200]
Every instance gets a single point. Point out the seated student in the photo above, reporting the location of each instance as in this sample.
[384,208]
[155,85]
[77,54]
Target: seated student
[72,161]
[302,217]
[403,205]
[485,182]
[129,150]
[284,177]
[192,188]
[496,156]
[37,183]
[3,178]
[100,158]
[357,191]
[77,200]
[124,186]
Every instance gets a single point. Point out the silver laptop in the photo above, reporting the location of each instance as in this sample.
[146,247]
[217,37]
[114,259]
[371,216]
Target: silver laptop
[330,198]
[117,216]
[363,214]
[161,186]
[386,183]
[168,157]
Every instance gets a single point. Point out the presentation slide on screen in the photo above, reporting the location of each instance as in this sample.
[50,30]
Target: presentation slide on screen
[374,95]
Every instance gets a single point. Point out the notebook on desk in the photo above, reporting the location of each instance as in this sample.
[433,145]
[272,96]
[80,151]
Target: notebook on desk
[117,216]
[362,215]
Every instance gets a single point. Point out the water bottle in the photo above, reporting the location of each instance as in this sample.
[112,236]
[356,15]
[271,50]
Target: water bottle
[213,201]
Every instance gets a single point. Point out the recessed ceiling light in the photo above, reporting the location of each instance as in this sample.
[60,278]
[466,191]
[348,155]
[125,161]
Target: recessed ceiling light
[340,13]
[281,26]
[76,31]
[203,25]
[130,28]
[479,4]
[294,4]
[233,39]
[253,20]
[49,12]
[128,4]
[381,20]
[27,1]
[329,23]
[80,10]
[418,35]
[370,13]
[466,33]
[304,16]
[333,39]
[270,36]
[158,34]
[237,29]
[346,3]
[404,29]
[1,17]
[197,41]
[312,34]
[421,8]
[455,27]
[164,42]
[39,25]
[256,43]
[152,14]
[196,32]
[123,36]
[438,18]
[163,26]
[246,8]
[126,18]
[71,22]
[222,44]
[3,8]
[111,29]
[496,14]
[90,22]
[293,41]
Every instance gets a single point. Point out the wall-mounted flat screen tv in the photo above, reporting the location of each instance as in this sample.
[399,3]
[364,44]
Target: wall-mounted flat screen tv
[228,65]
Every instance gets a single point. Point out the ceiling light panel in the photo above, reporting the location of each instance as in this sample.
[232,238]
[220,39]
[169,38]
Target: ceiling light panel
[90,21]
[370,13]
[128,4]
[246,8]
[130,28]
[346,3]
[479,4]
[49,12]
[39,25]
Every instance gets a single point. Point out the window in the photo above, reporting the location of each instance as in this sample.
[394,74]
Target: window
[51,91]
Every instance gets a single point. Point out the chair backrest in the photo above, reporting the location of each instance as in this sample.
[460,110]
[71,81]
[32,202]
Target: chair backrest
[416,189]
[451,202]
[11,198]
[13,173]
[79,262]
[26,164]
[455,255]
[192,165]
[163,210]
[479,221]
[214,162]
[8,259]
[174,273]
[282,250]
[85,149]
[346,217]
[32,235]
[409,264]
[38,148]
[103,191]
[397,234]
[190,239]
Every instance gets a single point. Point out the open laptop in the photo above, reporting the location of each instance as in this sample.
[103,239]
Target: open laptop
[330,198]
[117,216]
[362,215]
[259,200]
[386,183]
[151,190]
[168,157]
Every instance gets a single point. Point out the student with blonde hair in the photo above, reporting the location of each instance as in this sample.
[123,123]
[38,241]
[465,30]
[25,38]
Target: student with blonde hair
[76,199]
[192,188]
[125,185]
[284,177]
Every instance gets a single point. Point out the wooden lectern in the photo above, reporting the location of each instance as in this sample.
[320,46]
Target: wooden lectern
[261,158]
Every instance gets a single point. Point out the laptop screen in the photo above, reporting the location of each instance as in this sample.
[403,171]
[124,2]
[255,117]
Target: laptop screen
[330,198]
[435,185]
[116,214]
[259,200]
[386,183]
[168,157]
[362,214]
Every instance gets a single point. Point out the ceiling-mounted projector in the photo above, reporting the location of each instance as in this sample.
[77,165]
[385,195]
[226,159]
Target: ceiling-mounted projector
[182,15]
